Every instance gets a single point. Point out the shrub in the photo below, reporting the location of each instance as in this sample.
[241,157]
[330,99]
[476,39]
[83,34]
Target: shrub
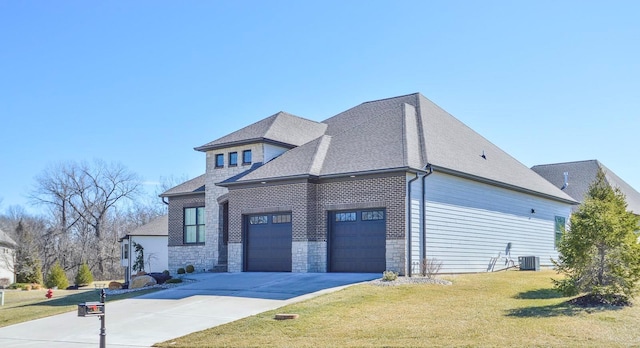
[57,277]
[27,287]
[166,272]
[181,270]
[84,276]
[36,286]
[4,283]
[159,277]
[430,267]
[174,281]
[16,286]
[190,268]
[389,276]
[30,272]
[599,253]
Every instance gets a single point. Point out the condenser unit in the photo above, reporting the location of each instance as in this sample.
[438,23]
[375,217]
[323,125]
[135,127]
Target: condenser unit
[529,263]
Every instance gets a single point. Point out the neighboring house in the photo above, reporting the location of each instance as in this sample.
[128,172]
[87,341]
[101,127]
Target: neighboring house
[153,238]
[381,186]
[7,259]
[574,178]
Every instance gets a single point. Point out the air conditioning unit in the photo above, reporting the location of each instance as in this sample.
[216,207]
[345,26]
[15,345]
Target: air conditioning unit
[529,263]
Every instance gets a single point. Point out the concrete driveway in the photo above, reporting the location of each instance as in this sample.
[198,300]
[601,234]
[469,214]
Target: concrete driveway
[215,299]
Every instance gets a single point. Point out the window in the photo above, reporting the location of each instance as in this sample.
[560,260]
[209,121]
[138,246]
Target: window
[219,160]
[194,225]
[345,217]
[125,252]
[372,215]
[559,229]
[233,159]
[281,219]
[246,157]
[258,219]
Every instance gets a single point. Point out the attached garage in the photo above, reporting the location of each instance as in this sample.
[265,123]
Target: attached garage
[267,246]
[357,241]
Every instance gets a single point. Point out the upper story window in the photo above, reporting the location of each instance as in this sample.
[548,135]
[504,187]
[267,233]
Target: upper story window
[194,225]
[219,160]
[233,159]
[246,157]
[125,251]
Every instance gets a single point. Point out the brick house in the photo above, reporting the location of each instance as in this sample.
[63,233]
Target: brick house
[380,186]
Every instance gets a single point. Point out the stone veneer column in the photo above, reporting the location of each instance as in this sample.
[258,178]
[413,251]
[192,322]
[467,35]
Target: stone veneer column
[396,249]
[235,257]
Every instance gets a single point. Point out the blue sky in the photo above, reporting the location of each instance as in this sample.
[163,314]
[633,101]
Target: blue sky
[142,83]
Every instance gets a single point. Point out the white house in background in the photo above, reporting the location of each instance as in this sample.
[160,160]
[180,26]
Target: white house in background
[153,238]
[7,259]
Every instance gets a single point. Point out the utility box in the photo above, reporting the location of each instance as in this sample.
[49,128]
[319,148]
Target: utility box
[90,309]
[529,263]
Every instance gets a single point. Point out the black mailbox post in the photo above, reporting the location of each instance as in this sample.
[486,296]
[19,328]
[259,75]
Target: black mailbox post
[96,309]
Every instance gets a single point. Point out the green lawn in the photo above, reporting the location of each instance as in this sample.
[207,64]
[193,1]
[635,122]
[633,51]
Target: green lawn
[505,309]
[20,306]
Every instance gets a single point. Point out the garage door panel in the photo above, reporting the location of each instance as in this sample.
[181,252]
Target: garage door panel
[357,245]
[268,246]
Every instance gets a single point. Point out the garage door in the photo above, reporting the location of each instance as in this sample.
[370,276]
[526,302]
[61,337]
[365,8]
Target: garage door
[357,241]
[268,243]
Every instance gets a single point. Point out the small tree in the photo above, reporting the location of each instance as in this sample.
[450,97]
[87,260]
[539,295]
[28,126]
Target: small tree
[57,277]
[600,254]
[138,265]
[84,276]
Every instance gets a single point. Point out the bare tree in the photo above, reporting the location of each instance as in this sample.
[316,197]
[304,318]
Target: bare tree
[81,197]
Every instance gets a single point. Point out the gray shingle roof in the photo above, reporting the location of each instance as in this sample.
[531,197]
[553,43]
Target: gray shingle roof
[156,227]
[281,128]
[193,186]
[7,241]
[580,176]
[406,132]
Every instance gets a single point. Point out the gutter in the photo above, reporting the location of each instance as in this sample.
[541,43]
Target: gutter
[205,148]
[423,231]
[505,185]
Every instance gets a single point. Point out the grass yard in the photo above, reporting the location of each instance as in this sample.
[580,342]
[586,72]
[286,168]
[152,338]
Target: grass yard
[20,306]
[505,309]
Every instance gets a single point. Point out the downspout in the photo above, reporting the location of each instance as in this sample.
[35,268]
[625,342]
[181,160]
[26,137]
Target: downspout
[409,224]
[423,246]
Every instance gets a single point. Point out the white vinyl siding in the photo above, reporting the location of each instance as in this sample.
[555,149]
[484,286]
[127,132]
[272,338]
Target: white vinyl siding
[468,223]
[273,151]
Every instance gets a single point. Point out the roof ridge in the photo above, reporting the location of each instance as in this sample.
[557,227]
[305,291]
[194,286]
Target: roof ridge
[570,162]
[396,97]
[320,154]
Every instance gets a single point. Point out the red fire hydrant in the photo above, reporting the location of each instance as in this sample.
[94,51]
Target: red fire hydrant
[49,294]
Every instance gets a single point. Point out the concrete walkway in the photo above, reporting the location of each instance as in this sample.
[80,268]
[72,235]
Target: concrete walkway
[215,299]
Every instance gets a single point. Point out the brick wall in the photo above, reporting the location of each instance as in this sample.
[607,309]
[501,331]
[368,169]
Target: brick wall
[176,218]
[309,204]
[181,254]
[362,193]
